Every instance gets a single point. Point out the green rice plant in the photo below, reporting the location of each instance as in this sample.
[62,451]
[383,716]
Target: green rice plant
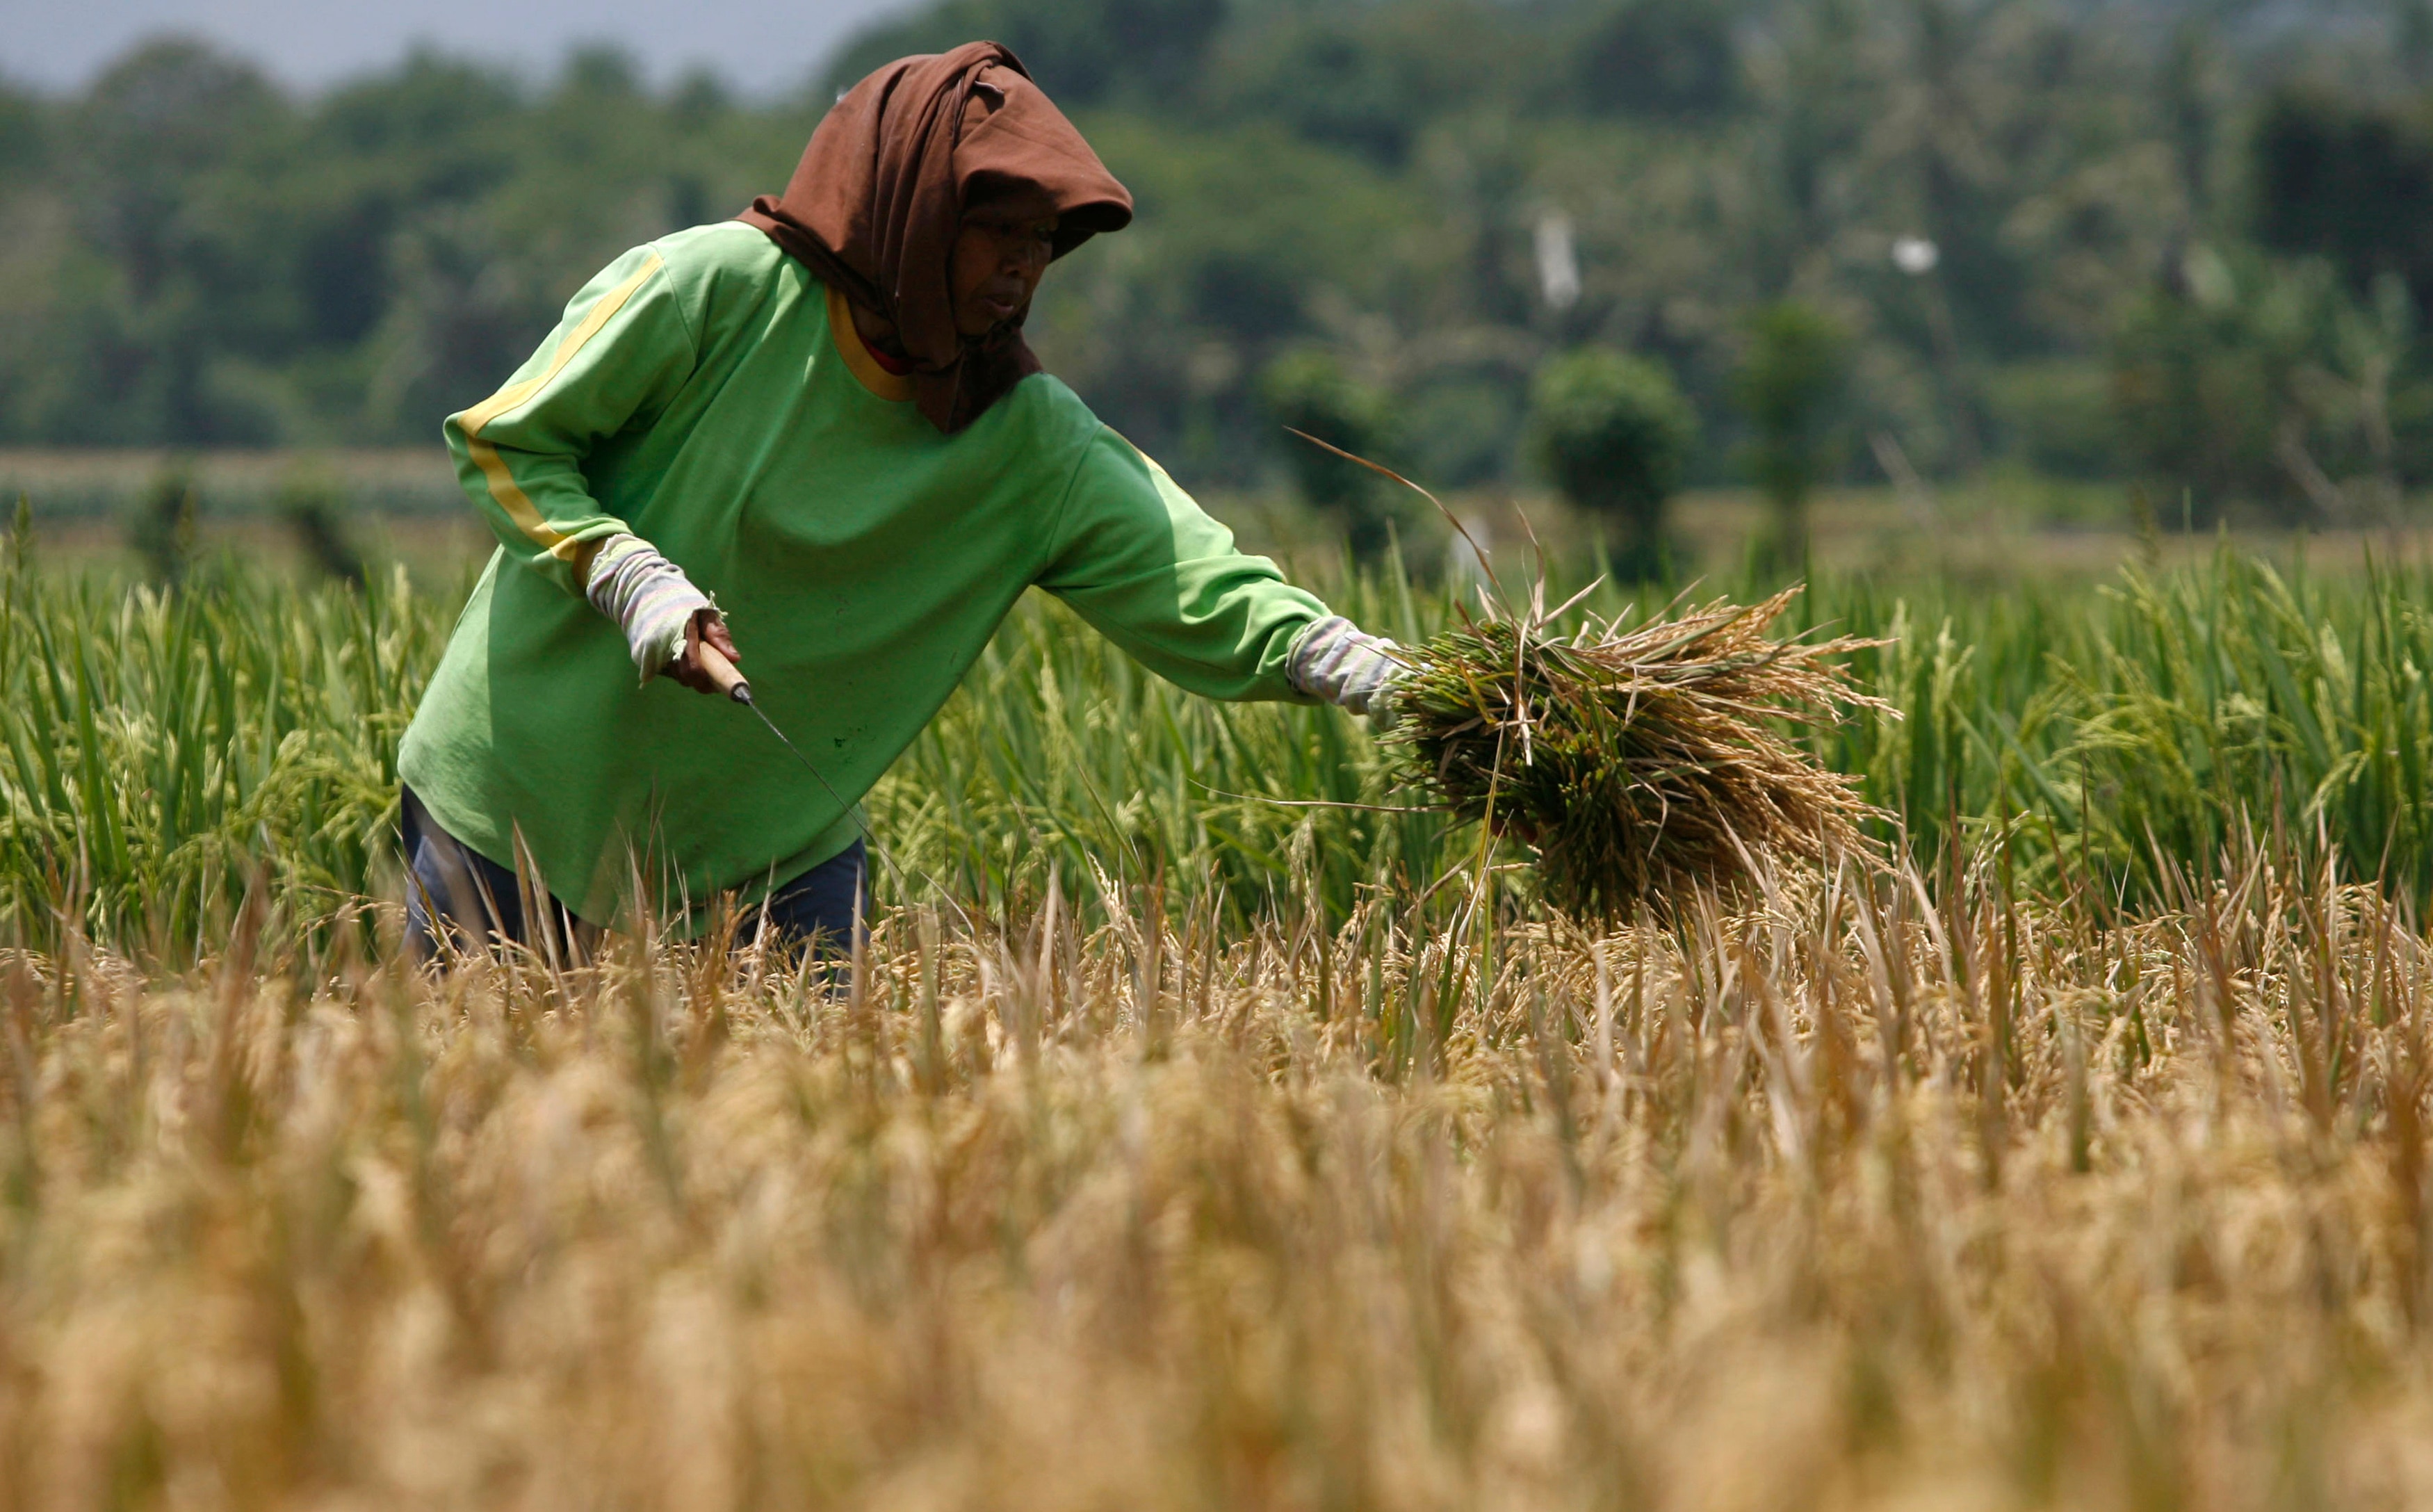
[1060,756]
[2233,699]
[163,752]
[1979,711]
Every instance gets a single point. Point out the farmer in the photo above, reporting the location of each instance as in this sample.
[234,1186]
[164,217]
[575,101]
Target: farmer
[812,440]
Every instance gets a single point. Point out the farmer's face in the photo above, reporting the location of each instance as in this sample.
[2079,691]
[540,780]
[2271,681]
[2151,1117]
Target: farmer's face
[1000,255]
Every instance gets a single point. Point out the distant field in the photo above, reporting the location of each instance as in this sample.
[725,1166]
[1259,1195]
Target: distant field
[66,484]
[439,550]
[404,505]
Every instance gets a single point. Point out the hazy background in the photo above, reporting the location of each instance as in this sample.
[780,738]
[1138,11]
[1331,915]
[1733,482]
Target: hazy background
[2148,261]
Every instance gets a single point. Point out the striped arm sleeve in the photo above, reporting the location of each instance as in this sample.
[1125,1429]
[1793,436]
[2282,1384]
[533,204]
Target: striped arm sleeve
[617,357]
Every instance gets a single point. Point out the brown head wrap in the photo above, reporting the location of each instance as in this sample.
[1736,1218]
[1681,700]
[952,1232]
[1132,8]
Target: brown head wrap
[874,207]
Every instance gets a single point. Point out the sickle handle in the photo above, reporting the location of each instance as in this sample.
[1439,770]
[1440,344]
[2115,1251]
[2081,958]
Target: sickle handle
[723,674]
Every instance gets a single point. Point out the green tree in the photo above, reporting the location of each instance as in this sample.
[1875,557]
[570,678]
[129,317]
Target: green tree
[1309,392]
[22,129]
[197,257]
[1791,386]
[2240,379]
[1614,433]
[1085,52]
[1366,79]
[2347,180]
[1663,59]
[166,160]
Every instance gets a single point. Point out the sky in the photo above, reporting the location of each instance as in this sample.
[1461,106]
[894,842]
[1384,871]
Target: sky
[759,46]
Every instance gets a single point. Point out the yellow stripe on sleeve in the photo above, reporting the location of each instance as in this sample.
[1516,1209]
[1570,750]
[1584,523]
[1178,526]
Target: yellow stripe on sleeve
[503,487]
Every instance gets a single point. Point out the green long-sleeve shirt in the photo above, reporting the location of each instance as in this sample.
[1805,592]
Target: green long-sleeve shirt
[708,395]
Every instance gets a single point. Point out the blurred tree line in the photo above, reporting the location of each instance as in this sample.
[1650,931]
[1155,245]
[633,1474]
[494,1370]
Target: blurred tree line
[197,258]
[2181,242]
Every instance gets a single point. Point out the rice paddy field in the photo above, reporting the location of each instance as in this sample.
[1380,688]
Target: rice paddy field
[1181,1144]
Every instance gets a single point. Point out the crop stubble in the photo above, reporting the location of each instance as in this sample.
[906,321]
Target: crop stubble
[1856,1200]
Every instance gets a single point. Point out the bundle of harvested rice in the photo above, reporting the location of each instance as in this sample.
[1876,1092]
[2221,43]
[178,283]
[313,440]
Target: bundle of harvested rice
[1640,764]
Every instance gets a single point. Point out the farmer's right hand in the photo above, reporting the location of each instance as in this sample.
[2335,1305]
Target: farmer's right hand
[706,625]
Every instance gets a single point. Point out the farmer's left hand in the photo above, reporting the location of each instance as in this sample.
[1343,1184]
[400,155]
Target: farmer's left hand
[1335,660]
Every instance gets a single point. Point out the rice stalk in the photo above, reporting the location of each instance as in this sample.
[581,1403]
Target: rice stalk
[1642,765]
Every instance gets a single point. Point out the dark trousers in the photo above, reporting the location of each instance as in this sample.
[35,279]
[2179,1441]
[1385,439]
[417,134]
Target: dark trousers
[451,886]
